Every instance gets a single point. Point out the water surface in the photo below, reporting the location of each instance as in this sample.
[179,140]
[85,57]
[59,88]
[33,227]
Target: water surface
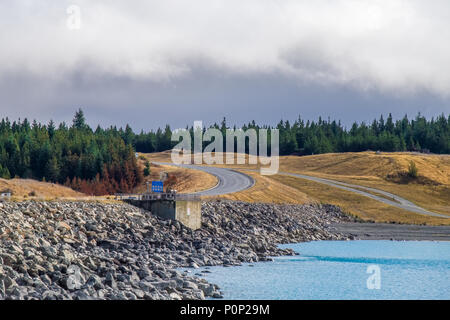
[339,270]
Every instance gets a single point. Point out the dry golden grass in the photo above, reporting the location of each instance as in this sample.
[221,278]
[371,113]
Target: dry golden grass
[360,206]
[433,167]
[431,191]
[24,188]
[264,190]
[269,190]
[158,156]
[165,156]
[188,180]
[435,198]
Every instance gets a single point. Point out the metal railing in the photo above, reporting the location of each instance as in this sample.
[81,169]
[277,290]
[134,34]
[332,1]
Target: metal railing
[171,196]
[128,196]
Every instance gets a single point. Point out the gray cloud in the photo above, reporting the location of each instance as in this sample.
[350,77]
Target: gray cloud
[388,45]
[207,96]
[255,58]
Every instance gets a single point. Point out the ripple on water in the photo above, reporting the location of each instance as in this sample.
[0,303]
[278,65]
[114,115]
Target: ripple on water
[339,270]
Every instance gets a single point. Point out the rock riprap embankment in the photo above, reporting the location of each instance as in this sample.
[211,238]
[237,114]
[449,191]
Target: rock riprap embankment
[94,250]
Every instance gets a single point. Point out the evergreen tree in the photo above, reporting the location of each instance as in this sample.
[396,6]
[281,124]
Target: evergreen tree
[79,122]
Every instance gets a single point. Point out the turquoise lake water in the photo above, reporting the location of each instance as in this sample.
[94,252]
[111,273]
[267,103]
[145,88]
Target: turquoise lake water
[343,270]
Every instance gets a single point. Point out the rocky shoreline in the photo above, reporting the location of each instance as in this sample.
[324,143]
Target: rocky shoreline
[93,250]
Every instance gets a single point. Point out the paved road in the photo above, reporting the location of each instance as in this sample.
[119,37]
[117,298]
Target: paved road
[393,200]
[229,181]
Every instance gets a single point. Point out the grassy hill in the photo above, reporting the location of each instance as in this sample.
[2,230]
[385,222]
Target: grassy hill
[384,171]
[187,180]
[433,169]
[264,190]
[28,188]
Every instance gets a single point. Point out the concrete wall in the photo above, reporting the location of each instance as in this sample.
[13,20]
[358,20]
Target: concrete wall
[187,212]
[163,208]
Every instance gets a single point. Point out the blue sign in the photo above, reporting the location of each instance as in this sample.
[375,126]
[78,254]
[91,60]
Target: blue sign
[157,186]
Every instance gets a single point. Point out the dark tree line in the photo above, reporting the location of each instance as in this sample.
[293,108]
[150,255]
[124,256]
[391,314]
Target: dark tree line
[94,162]
[322,136]
[316,137]
[103,161]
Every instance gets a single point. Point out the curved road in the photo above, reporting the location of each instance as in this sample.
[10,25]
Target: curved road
[230,181]
[396,201]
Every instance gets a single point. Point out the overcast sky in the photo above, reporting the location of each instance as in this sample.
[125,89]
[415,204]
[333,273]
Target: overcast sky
[148,63]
